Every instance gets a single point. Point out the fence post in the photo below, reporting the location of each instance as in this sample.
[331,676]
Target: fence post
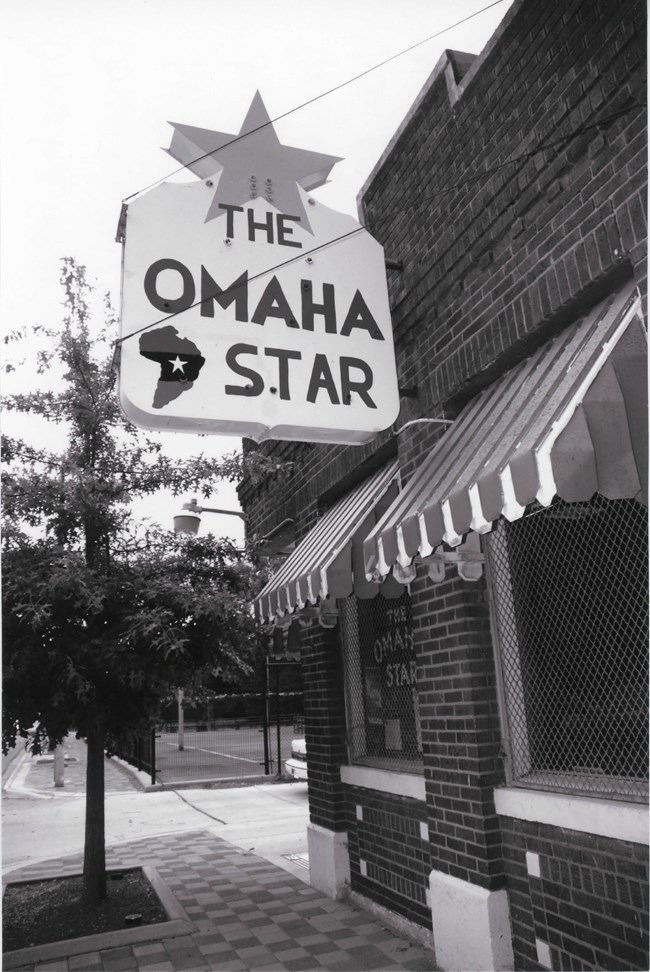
[181,721]
[265,714]
[277,716]
[153,756]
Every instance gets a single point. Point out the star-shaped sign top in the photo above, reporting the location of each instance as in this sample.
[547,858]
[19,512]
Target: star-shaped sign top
[253,164]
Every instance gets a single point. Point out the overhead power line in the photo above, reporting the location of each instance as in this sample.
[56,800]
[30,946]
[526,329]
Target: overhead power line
[541,146]
[325,94]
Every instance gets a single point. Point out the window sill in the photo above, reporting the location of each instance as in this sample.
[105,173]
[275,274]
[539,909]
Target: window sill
[589,815]
[385,781]
[586,783]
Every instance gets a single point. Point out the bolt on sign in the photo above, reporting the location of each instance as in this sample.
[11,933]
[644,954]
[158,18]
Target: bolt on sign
[248,308]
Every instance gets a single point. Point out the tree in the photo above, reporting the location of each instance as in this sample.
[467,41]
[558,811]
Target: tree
[101,618]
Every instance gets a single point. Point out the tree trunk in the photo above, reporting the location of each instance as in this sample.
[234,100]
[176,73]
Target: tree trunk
[94,873]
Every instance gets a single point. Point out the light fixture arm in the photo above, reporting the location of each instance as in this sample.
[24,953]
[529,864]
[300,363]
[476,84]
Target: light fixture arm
[194,507]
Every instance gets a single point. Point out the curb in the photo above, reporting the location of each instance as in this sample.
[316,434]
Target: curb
[9,761]
[141,779]
[15,783]
[10,774]
[179,924]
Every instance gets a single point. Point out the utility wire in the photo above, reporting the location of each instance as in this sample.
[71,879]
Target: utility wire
[541,146]
[324,94]
[256,276]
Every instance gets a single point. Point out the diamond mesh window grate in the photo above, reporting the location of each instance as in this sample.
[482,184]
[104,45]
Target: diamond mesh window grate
[381,683]
[570,600]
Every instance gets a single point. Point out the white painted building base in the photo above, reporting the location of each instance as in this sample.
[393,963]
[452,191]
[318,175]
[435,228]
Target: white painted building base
[329,860]
[471,926]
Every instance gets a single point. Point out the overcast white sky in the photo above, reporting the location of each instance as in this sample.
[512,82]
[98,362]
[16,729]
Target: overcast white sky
[89,87]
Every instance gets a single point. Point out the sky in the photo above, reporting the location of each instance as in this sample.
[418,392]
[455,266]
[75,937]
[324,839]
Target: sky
[89,89]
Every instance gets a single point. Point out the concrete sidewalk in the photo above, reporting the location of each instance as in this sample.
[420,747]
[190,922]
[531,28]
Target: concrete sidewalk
[232,864]
[40,821]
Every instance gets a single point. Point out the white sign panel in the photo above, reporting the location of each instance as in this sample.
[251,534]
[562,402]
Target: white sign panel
[248,308]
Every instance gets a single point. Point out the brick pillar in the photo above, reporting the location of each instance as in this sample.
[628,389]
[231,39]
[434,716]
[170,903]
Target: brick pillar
[325,735]
[324,724]
[462,765]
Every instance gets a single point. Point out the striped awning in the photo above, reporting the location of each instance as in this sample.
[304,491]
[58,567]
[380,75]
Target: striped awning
[570,421]
[328,563]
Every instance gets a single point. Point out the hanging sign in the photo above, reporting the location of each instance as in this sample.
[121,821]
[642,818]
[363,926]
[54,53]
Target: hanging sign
[248,308]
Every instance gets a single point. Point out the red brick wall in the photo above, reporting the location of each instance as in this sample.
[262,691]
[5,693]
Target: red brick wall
[590,902]
[460,727]
[324,707]
[517,248]
[512,211]
[388,839]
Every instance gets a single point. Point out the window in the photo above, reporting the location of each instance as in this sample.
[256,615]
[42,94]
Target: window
[381,682]
[570,606]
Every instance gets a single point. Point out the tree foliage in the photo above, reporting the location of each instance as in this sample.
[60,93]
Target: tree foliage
[103,618]
[169,612]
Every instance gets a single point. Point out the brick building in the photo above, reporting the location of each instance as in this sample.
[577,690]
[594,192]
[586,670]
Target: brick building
[470,588]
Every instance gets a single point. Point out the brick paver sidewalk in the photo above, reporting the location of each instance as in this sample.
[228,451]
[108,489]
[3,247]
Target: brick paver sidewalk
[40,775]
[248,914]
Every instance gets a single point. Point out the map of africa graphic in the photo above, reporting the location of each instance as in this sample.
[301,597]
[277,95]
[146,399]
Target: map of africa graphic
[180,363]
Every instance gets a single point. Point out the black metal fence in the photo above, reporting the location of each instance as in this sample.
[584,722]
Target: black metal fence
[227,737]
[221,749]
[140,751]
